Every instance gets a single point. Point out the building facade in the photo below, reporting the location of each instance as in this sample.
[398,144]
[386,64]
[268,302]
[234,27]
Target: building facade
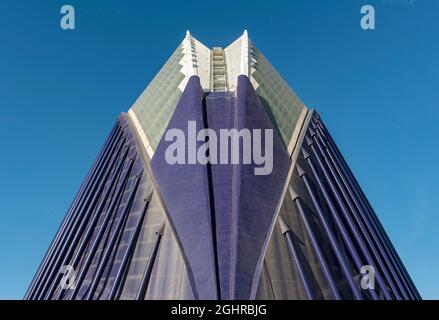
[141,227]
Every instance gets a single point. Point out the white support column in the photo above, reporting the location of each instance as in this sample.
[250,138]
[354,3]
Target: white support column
[188,61]
[245,63]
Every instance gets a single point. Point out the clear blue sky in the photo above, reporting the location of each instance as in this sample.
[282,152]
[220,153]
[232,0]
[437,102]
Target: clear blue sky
[61,91]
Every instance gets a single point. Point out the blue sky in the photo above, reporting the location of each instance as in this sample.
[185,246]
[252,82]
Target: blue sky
[61,91]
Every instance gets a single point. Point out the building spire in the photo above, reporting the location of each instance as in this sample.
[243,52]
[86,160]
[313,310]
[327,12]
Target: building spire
[188,62]
[245,63]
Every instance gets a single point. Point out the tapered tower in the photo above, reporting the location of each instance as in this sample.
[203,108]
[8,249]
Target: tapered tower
[290,222]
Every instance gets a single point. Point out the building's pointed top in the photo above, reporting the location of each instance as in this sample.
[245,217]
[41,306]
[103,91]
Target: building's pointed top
[188,61]
[241,57]
[245,62]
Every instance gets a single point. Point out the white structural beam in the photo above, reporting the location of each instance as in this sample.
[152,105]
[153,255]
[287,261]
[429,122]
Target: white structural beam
[195,61]
[188,61]
[245,63]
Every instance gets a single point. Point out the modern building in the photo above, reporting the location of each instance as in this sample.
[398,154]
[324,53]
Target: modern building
[141,227]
